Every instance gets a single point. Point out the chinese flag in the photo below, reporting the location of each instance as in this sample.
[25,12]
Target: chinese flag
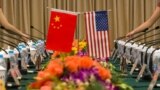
[61,30]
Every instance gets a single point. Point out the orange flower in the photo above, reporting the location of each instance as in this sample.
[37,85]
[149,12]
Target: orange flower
[47,85]
[104,73]
[55,67]
[86,62]
[36,84]
[72,63]
[71,66]
[41,75]
[74,58]
[96,64]
[46,88]
[75,43]
[55,54]
[40,83]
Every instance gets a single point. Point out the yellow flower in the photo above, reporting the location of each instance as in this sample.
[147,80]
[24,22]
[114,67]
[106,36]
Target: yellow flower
[82,45]
[75,50]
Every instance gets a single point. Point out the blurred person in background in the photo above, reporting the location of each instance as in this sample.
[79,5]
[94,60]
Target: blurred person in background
[9,27]
[148,23]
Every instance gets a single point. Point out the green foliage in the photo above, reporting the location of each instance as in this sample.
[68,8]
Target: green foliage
[95,86]
[118,80]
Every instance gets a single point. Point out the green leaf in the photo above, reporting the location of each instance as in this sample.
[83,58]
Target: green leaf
[95,86]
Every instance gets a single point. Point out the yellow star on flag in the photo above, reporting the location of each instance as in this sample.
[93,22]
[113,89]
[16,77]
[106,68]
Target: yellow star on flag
[57,19]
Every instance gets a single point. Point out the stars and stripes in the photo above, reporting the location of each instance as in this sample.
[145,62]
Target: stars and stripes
[97,34]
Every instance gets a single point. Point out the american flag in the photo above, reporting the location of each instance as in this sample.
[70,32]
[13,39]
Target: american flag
[97,34]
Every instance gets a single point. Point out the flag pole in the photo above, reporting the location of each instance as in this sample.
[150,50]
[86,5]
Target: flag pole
[78,30]
[66,11]
[109,10]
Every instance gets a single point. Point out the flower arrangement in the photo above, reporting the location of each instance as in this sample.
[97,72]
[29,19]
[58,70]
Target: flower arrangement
[73,69]
[77,71]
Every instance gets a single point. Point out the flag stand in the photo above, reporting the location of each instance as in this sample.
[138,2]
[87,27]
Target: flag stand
[78,30]
[56,33]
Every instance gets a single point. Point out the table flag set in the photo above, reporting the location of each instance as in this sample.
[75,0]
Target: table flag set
[75,64]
